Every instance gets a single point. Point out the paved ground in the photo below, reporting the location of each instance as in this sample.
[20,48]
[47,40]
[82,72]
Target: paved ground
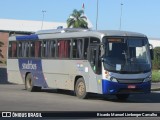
[16,98]
[3,75]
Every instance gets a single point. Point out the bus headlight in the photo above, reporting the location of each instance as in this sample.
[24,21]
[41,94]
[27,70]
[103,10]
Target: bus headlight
[113,79]
[148,79]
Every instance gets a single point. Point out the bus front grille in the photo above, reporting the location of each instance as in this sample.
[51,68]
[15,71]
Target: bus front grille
[130,81]
[122,91]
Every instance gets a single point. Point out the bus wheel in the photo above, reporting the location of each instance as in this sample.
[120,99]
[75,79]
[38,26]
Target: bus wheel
[122,96]
[29,84]
[80,89]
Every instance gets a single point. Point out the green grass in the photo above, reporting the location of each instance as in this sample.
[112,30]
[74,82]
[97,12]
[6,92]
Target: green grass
[155,75]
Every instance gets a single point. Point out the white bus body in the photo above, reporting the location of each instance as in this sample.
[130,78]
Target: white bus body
[78,60]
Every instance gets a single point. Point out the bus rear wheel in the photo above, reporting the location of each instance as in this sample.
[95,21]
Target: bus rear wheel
[80,89]
[29,84]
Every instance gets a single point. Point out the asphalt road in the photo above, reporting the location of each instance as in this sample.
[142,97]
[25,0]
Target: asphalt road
[16,98]
[3,75]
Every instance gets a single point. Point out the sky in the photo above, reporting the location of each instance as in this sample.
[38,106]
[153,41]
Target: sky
[137,15]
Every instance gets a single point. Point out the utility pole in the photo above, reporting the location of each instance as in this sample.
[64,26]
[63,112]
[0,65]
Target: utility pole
[97,15]
[121,16]
[43,12]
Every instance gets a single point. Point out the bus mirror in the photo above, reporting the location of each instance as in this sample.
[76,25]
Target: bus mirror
[102,49]
[102,59]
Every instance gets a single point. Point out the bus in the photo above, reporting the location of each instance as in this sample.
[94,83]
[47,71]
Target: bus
[107,62]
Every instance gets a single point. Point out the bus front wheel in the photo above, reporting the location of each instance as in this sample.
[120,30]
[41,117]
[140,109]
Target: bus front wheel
[80,89]
[29,84]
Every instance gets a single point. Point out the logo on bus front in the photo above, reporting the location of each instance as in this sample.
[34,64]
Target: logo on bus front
[29,66]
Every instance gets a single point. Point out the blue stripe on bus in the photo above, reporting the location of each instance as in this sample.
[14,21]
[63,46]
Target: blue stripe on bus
[33,66]
[109,87]
[27,37]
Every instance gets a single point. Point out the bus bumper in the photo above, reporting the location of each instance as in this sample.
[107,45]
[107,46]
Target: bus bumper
[109,87]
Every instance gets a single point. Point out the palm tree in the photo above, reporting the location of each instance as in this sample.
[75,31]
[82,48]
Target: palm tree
[77,19]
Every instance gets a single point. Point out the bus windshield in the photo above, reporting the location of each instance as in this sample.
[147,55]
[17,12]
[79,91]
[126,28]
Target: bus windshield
[127,55]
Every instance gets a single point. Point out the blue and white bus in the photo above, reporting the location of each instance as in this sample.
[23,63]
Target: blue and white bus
[85,61]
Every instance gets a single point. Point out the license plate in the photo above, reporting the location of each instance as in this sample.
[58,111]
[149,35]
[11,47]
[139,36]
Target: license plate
[131,86]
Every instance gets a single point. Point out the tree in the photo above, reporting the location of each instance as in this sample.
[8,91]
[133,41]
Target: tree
[156,60]
[77,19]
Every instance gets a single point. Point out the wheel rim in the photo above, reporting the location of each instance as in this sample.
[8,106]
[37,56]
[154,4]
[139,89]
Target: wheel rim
[81,88]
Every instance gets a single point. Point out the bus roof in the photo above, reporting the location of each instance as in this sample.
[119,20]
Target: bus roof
[76,33]
[80,30]
[120,33]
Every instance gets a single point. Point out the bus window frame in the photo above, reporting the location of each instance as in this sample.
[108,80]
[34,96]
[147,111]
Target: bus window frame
[42,48]
[82,38]
[55,42]
[30,48]
[34,53]
[56,47]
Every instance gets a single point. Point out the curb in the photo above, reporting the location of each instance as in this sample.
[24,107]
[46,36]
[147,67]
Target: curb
[155,89]
[155,86]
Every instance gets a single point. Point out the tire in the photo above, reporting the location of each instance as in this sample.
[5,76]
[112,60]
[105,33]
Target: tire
[122,96]
[80,89]
[29,84]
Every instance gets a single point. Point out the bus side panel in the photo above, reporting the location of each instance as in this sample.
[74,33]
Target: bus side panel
[61,74]
[58,73]
[33,66]
[93,82]
[14,75]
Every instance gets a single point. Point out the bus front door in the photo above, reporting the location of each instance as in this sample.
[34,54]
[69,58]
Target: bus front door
[95,74]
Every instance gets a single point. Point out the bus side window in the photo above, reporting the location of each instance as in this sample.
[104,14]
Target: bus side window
[77,48]
[45,48]
[20,49]
[12,49]
[25,49]
[38,49]
[64,48]
[95,55]
[95,61]
[32,49]
[86,43]
[52,48]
